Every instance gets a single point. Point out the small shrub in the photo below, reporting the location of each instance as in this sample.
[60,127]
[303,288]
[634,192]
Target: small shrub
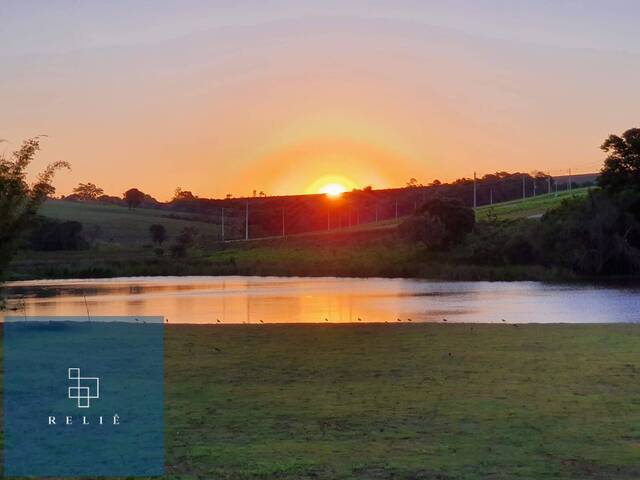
[178,250]
[158,233]
[187,236]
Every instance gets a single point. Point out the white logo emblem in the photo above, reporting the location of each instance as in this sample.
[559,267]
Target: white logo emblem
[85,388]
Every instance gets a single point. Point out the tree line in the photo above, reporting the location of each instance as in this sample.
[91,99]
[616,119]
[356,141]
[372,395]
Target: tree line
[593,236]
[294,214]
[599,235]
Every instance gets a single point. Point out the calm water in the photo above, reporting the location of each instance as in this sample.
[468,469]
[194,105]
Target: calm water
[297,300]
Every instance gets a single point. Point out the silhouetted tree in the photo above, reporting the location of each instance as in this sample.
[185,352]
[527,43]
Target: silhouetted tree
[87,191]
[439,223]
[50,235]
[158,233]
[622,167]
[594,236]
[425,229]
[133,197]
[457,218]
[180,194]
[19,202]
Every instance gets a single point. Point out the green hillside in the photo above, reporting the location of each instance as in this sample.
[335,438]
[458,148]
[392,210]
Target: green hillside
[119,225]
[531,207]
[361,250]
[113,224]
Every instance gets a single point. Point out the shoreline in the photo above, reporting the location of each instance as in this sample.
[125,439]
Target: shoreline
[592,281]
[444,272]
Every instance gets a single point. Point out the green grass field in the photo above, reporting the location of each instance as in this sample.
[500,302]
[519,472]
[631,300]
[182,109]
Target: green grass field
[407,402]
[431,401]
[119,225]
[531,207]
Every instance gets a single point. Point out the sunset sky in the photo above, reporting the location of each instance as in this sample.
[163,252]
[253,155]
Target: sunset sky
[286,96]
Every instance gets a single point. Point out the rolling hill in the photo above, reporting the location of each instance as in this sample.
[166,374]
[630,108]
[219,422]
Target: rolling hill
[117,225]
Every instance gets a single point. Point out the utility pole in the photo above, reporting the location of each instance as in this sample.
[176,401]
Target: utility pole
[283,229]
[569,180]
[246,221]
[524,192]
[223,224]
[475,191]
[535,186]
[548,184]
[328,216]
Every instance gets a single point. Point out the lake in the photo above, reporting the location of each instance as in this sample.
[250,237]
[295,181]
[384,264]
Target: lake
[220,300]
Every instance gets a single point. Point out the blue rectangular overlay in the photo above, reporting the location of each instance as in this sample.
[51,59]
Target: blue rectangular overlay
[83,397]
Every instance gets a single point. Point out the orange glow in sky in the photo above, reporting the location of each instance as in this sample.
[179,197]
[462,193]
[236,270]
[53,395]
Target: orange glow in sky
[311,104]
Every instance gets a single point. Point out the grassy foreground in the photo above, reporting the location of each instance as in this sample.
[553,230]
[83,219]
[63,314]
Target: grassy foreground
[421,401]
[403,401]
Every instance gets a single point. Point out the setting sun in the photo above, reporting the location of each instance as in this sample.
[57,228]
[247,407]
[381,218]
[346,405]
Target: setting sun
[331,185]
[333,189]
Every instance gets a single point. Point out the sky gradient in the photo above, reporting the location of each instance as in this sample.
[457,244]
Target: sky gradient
[277,95]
